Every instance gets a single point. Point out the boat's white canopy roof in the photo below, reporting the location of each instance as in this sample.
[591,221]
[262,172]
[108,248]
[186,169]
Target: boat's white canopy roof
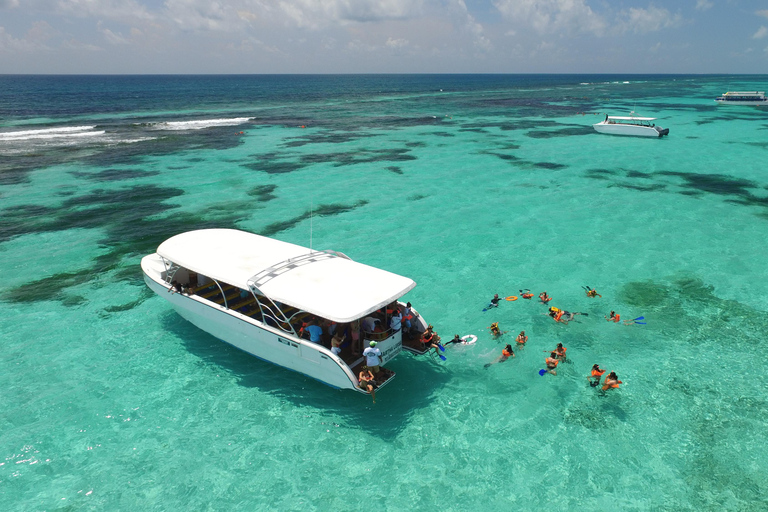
[631,118]
[320,283]
[743,93]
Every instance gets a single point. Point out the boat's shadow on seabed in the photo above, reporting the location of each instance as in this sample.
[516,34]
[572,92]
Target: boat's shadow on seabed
[419,379]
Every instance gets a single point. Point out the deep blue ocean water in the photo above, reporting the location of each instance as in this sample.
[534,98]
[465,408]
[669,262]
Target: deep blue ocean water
[469,184]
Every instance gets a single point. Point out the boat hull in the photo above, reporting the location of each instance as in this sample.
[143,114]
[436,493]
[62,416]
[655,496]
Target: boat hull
[629,130]
[261,340]
[747,103]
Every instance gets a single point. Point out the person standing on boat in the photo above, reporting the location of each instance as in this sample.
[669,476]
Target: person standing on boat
[372,357]
[315,331]
[407,316]
[336,342]
[396,321]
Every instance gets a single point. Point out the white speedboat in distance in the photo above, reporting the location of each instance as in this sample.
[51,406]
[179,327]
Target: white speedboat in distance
[630,125]
[742,98]
[260,295]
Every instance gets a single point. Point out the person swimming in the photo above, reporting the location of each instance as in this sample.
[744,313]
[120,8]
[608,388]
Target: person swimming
[551,363]
[496,330]
[591,292]
[521,338]
[494,301]
[611,382]
[456,339]
[505,354]
[595,375]
[560,351]
[526,294]
[613,318]
[562,316]
[544,298]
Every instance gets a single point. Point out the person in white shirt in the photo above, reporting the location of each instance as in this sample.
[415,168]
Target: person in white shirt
[372,357]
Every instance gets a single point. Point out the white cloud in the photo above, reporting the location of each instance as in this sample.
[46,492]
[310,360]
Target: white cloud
[396,43]
[34,40]
[704,5]
[8,4]
[652,19]
[111,37]
[317,14]
[124,11]
[763,13]
[552,16]
[761,33]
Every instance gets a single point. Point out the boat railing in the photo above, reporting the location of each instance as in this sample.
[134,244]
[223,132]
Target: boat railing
[278,269]
[272,311]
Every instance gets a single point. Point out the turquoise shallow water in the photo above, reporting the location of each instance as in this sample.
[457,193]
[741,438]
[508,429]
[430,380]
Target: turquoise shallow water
[112,402]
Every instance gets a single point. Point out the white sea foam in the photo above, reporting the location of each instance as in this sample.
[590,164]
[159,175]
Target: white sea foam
[200,123]
[49,133]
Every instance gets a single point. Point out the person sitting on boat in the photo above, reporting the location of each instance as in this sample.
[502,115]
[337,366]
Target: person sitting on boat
[366,382]
[315,331]
[372,358]
[430,340]
[396,321]
[505,354]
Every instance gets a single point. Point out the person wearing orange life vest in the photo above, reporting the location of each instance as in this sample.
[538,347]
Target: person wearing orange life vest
[596,374]
[521,338]
[544,297]
[505,354]
[613,318]
[551,363]
[430,339]
[560,351]
[526,294]
[611,381]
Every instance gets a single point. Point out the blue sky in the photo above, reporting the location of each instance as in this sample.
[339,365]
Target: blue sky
[383,36]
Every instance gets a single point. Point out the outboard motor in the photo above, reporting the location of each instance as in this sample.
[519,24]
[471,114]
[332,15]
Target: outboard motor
[662,131]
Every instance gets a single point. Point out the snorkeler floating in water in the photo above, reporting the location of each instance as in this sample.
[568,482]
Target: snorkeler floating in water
[505,354]
[611,382]
[494,302]
[595,375]
[591,292]
[496,330]
[526,294]
[521,338]
[613,318]
[562,316]
[544,298]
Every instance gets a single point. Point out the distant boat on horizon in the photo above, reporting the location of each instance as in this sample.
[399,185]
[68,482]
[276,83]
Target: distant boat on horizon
[747,98]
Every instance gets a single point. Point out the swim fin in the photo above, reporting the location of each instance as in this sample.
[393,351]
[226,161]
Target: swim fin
[542,372]
[487,365]
[593,383]
[442,357]
[641,323]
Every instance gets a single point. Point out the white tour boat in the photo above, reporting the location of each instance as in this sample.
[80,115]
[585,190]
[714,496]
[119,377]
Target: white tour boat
[742,98]
[259,294]
[630,125]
